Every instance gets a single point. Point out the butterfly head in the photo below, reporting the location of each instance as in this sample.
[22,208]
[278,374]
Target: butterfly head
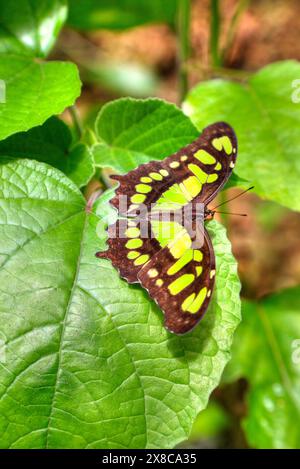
[209,214]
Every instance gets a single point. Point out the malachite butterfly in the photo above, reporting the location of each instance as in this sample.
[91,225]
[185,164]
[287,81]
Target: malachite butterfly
[163,258]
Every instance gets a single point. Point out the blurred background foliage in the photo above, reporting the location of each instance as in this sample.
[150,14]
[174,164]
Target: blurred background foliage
[162,49]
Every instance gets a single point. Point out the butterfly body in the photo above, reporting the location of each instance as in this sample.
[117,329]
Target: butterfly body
[161,241]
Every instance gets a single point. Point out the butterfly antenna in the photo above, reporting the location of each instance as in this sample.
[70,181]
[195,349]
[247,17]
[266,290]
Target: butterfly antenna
[231,213]
[235,197]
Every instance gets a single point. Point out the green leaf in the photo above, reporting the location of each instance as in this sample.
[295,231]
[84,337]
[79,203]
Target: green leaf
[119,14]
[267,352]
[51,143]
[88,363]
[35,90]
[236,181]
[30,27]
[265,115]
[135,131]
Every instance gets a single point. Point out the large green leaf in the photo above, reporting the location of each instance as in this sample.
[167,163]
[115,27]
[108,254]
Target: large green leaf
[266,120]
[267,352]
[85,361]
[30,27]
[135,131]
[51,143]
[119,14]
[35,90]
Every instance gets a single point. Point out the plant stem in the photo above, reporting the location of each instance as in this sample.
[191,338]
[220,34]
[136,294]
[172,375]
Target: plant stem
[215,33]
[183,32]
[241,7]
[76,120]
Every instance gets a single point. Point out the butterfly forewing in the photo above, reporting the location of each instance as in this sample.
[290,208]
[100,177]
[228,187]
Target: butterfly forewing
[196,172]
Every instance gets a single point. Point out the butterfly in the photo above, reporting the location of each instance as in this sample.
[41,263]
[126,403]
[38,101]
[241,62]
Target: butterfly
[160,254]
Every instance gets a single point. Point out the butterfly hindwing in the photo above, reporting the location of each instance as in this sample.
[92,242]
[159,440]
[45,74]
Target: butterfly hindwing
[181,285]
[130,246]
[197,171]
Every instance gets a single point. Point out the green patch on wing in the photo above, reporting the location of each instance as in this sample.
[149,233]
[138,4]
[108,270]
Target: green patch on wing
[167,231]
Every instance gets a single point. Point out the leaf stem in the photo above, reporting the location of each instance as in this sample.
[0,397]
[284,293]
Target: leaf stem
[76,120]
[92,199]
[183,32]
[215,33]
